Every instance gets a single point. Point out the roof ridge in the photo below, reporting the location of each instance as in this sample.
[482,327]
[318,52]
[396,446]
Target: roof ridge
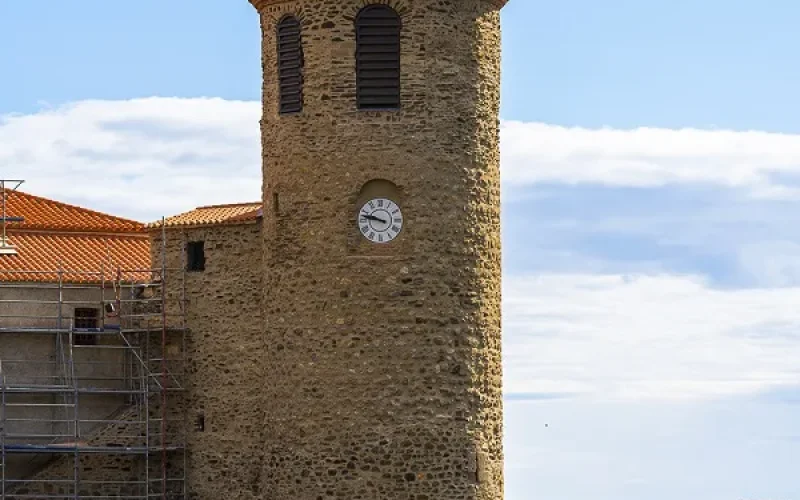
[230,205]
[76,207]
[212,215]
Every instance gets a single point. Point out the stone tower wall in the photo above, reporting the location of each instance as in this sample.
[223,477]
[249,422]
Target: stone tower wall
[384,362]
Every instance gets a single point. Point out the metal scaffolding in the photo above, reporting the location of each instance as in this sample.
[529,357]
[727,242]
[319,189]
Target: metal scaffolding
[92,404]
[7,186]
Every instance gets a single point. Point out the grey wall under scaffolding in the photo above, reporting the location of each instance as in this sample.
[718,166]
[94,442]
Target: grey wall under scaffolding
[92,368]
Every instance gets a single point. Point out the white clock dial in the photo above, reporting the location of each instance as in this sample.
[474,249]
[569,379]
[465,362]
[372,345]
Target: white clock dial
[380,220]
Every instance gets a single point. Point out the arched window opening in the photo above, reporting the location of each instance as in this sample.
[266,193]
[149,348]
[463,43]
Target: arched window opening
[378,58]
[290,65]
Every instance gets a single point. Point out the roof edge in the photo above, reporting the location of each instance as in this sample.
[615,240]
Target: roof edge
[231,205]
[261,4]
[138,226]
[156,226]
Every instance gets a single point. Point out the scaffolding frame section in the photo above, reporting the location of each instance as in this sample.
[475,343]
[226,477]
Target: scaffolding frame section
[5,247]
[93,407]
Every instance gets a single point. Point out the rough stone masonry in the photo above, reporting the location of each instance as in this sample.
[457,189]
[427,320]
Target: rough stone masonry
[382,363]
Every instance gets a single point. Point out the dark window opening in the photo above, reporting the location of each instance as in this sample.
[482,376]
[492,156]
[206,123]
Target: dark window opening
[200,423]
[378,58]
[86,318]
[195,256]
[290,65]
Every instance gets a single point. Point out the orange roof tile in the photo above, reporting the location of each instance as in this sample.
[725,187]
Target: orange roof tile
[40,255]
[236,213]
[82,242]
[44,214]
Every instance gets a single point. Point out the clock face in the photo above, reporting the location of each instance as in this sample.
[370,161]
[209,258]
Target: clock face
[380,220]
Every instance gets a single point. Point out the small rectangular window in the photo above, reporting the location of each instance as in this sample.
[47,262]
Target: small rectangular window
[86,318]
[195,256]
[200,422]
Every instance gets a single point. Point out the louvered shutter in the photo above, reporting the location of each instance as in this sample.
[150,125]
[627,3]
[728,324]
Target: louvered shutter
[378,58]
[290,65]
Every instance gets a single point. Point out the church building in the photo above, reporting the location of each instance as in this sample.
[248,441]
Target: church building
[341,337]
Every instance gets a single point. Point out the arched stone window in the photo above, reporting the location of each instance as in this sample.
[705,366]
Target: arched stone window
[290,65]
[378,57]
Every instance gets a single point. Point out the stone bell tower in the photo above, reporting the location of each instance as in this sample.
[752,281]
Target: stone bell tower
[382,357]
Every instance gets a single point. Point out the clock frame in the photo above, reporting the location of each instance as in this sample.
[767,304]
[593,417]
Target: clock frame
[380,220]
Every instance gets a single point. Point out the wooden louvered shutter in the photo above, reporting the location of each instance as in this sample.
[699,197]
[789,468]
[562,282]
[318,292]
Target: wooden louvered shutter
[378,58]
[290,65]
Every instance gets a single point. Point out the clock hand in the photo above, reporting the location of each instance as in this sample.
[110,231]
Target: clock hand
[372,217]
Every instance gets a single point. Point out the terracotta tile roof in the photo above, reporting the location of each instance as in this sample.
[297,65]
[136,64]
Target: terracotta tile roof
[56,235]
[44,214]
[39,255]
[236,213]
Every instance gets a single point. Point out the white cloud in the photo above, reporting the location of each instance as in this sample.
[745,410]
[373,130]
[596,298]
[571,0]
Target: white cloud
[762,162]
[647,336]
[150,157]
[141,158]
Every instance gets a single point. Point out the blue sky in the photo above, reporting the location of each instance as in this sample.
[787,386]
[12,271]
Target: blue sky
[573,62]
[651,166]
